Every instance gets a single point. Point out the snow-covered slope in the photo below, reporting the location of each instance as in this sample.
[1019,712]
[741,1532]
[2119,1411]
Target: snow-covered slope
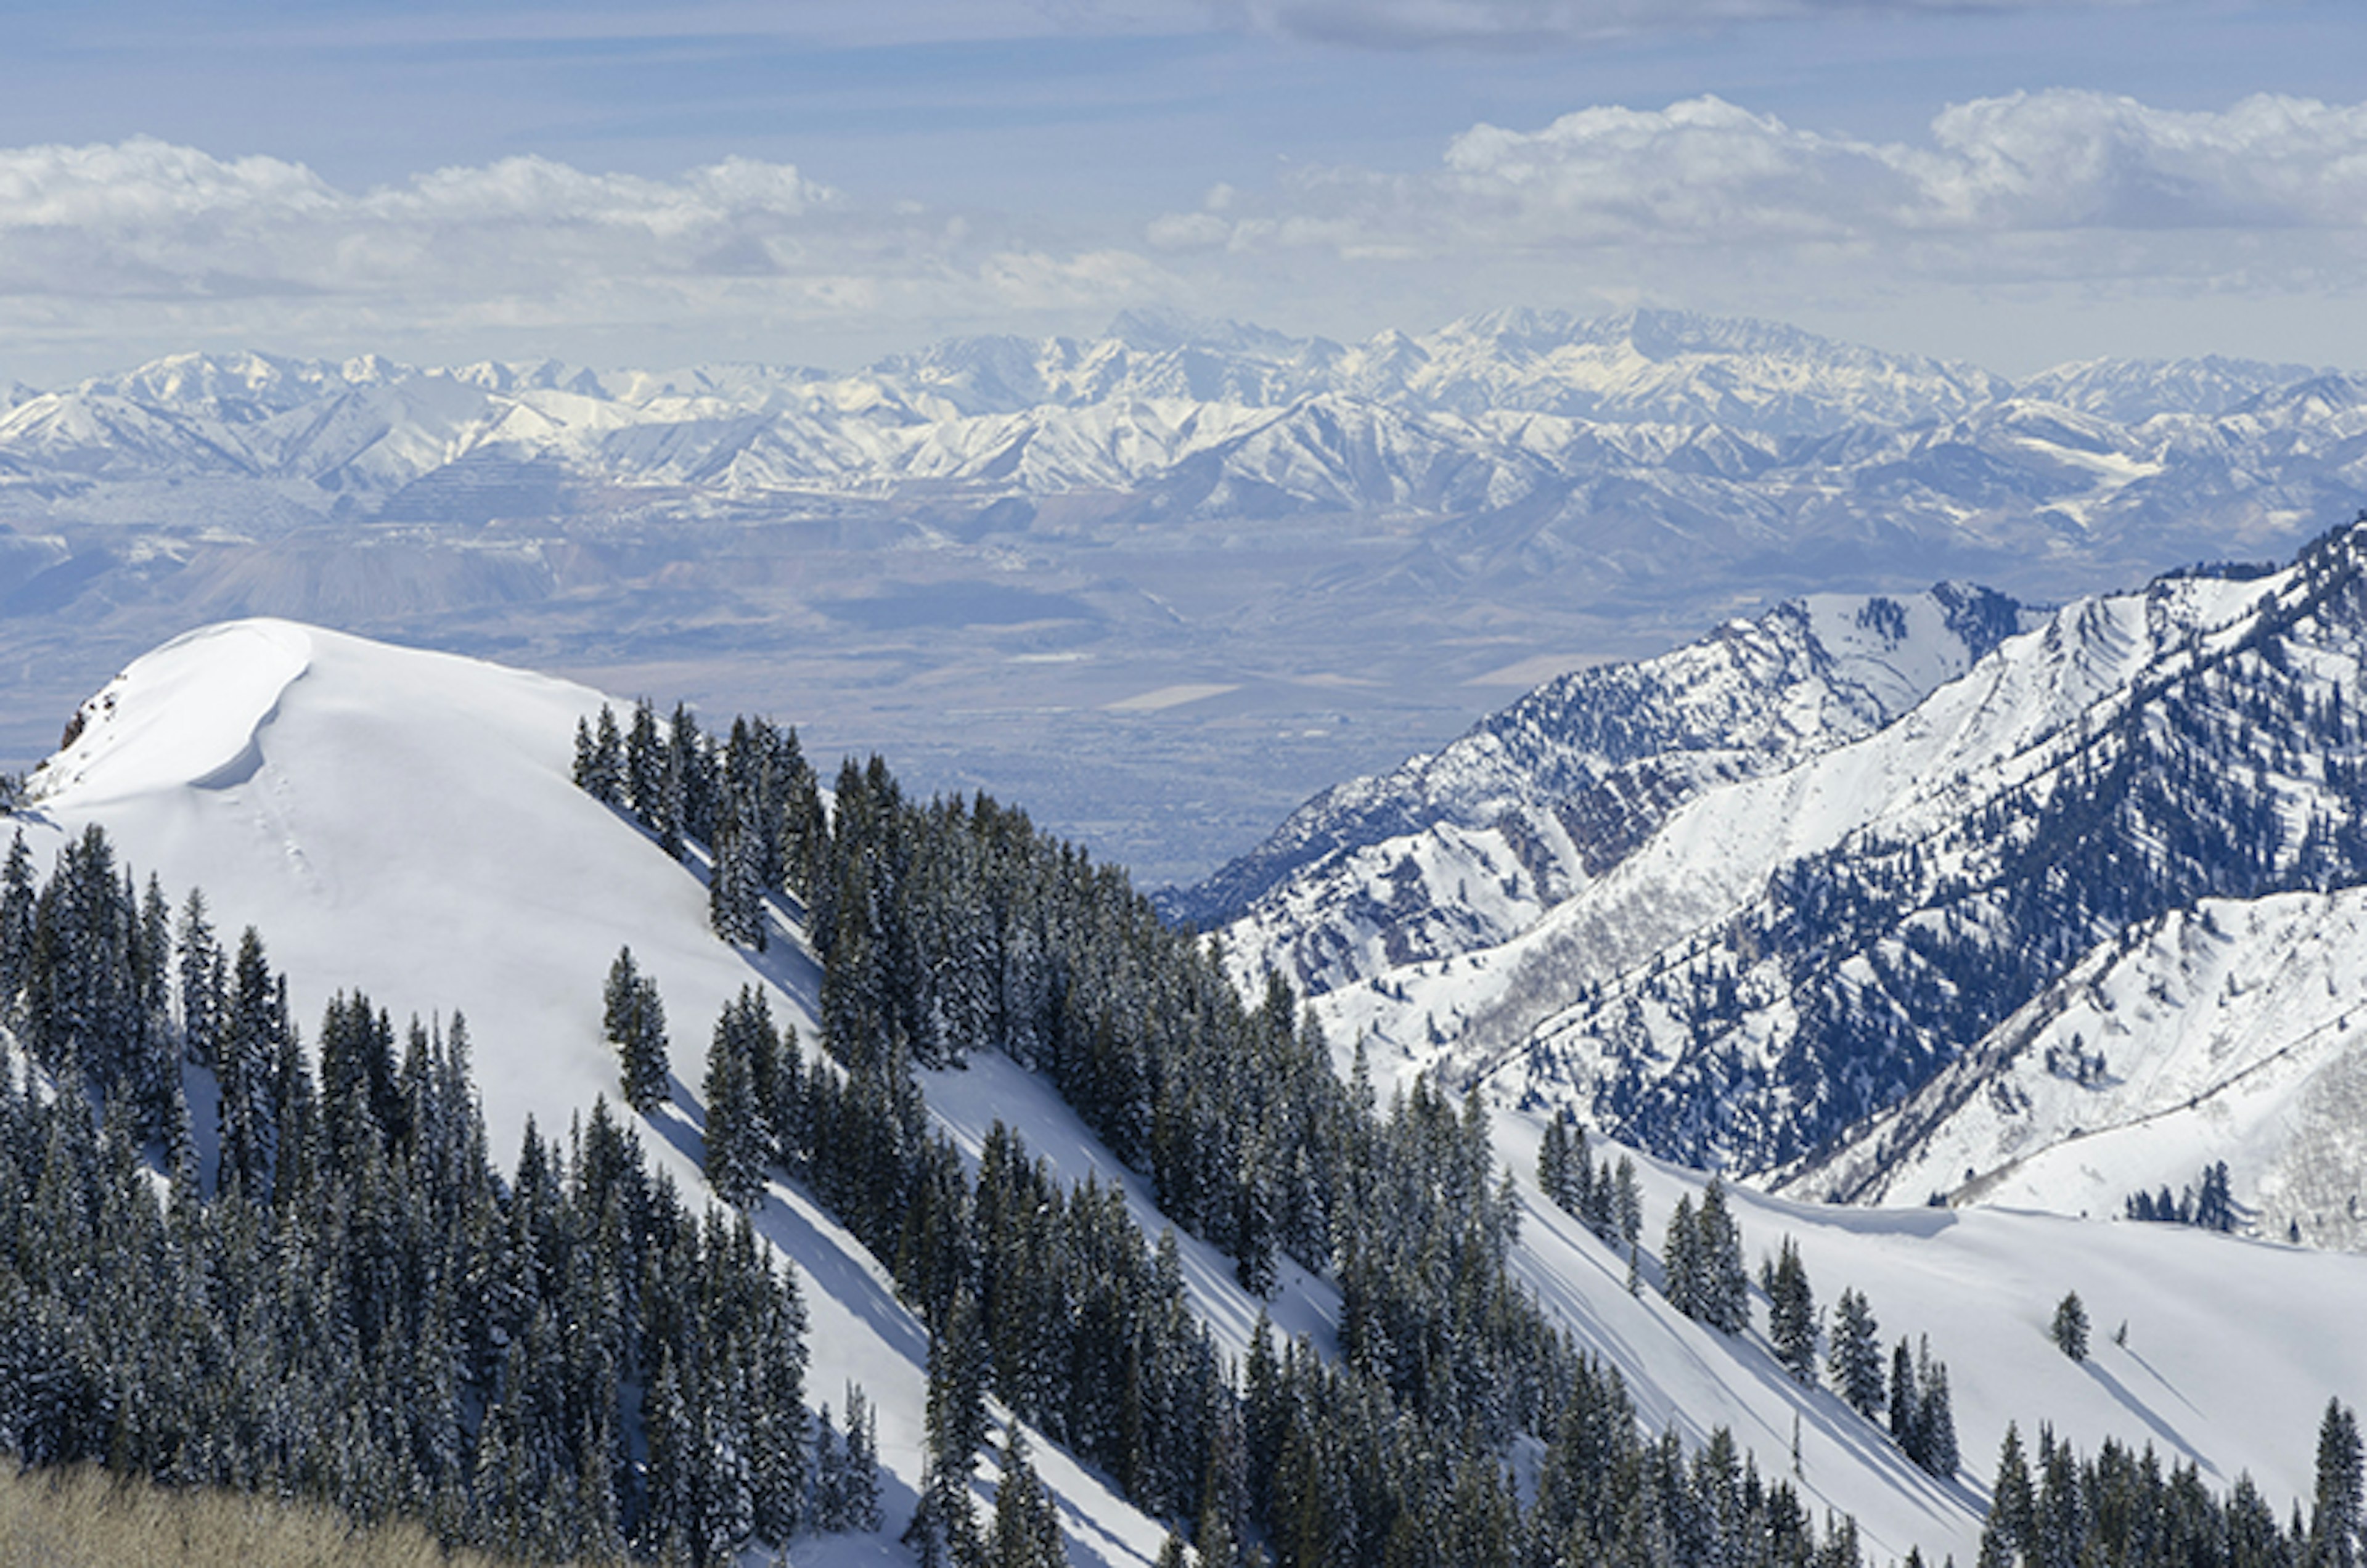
[1465,849]
[2231,1347]
[2009,903]
[2230,1031]
[402,821]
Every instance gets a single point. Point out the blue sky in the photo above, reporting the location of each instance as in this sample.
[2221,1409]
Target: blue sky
[2017,184]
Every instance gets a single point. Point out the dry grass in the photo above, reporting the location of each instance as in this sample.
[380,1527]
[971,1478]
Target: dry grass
[87,1518]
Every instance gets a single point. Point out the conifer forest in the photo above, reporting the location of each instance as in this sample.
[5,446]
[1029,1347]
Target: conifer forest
[245,1260]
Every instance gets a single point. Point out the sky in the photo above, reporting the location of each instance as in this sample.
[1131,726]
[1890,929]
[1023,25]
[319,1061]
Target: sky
[2014,182]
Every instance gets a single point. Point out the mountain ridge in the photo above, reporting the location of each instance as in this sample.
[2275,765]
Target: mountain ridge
[1350,537]
[1848,976]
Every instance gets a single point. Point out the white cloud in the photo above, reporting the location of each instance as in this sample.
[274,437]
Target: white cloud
[144,238]
[1704,174]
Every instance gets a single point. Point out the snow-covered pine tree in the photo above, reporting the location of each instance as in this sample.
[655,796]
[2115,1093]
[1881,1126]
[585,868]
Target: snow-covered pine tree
[633,1020]
[1906,1403]
[1935,1420]
[580,774]
[2007,1535]
[1854,1356]
[736,1134]
[1792,1313]
[827,1508]
[645,765]
[1725,1291]
[1680,1260]
[701,775]
[735,888]
[2070,1328]
[244,1068]
[1554,1157]
[18,895]
[1630,1203]
[604,777]
[1026,1522]
[860,1490]
[2339,1510]
[201,981]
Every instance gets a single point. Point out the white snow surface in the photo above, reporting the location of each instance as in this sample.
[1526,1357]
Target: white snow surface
[1971,737]
[403,822]
[1498,848]
[2233,1347]
[2234,1031]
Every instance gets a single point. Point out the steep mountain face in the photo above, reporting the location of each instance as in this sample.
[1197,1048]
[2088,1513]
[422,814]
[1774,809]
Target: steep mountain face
[2225,1031]
[2223,762]
[2072,926]
[1462,849]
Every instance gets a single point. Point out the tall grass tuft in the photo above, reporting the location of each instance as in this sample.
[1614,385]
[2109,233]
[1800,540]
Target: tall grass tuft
[85,1518]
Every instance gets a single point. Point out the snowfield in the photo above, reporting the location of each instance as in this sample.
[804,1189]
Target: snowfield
[402,822]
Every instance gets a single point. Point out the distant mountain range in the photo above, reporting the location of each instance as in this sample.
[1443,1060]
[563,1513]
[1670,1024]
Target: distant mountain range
[1199,419]
[1330,542]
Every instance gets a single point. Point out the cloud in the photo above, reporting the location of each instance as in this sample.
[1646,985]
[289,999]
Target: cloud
[1504,23]
[1704,173]
[144,235]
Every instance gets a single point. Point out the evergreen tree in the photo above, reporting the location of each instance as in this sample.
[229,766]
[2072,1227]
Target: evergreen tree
[202,981]
[1854,1358]
[1935,1420]
[860,1489]
[1792,1313]
[244,1066]
[633,1019]
[645,765]
[581,773]
[2070,1328]
[1630,1203]
[735,888]
[1680,1259]
[737,1141]
[1906,1405]
[600,769]
[2006,1533]
[958,1370]
[2336,1518]
[18,898]
[1026,1522]
[829,1511]
[1724,1292]
[1561,1159]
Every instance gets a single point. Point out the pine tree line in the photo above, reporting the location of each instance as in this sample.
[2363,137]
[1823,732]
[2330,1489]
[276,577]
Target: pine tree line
[749,800]
[1701,1262]
[2207,1203]
[356,1308]
[1702,1277]
[2119,1506]
[1049,1298]
[1912,1403]
[1341,1481]
[958,926]
[1605,1198]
